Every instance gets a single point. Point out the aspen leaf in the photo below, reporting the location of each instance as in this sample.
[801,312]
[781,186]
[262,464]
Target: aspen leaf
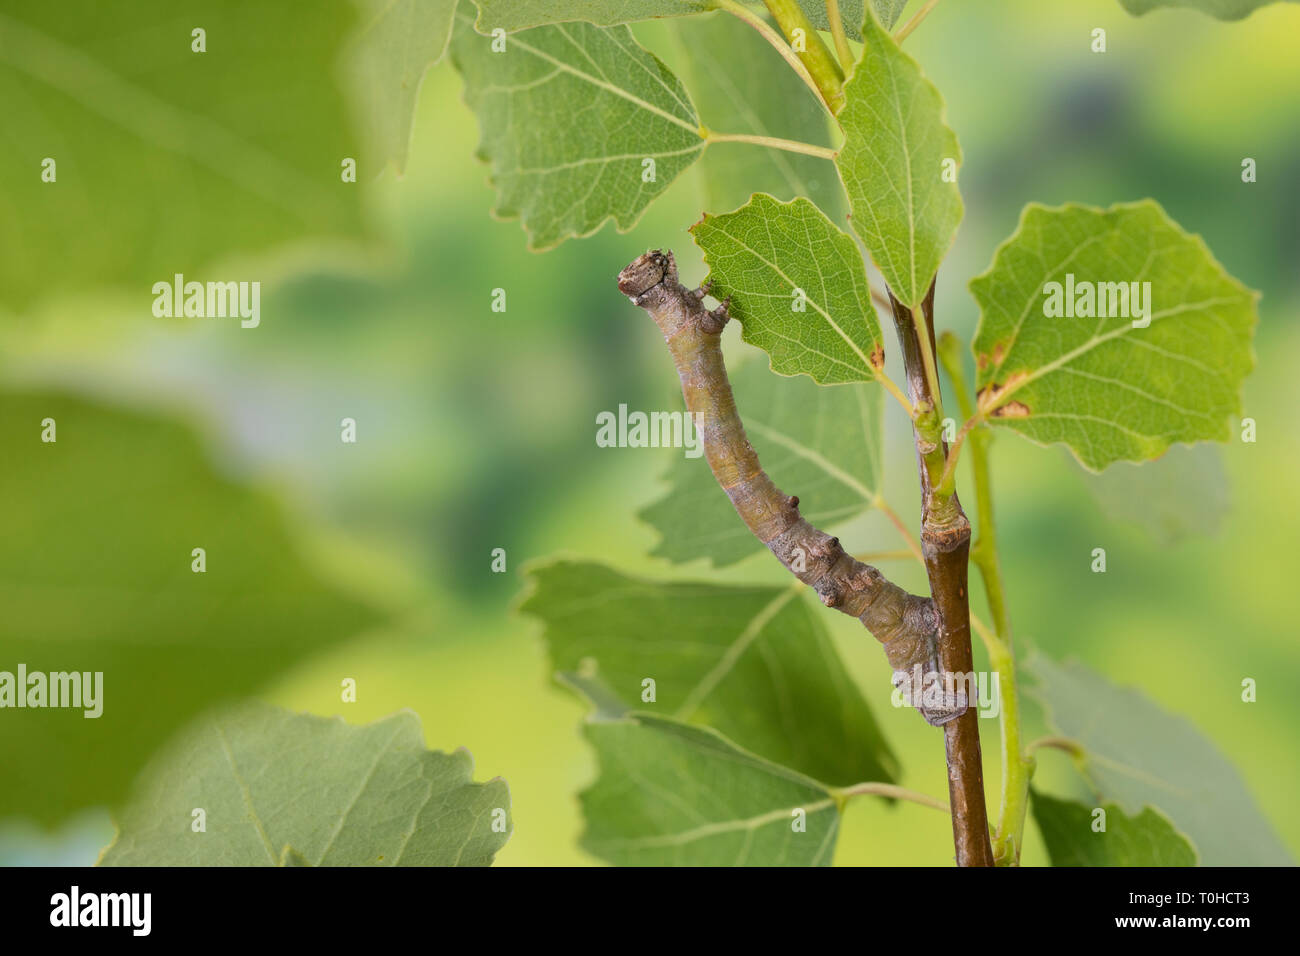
[568,116]
[95,576]
[395,43]
[822,444]
[1136,754]
[513,15]
[168,160]
[671,794]
[741,85]
[1143,839]
[760,254]
[1108,390]
[284,789]
[892,160]
[755,663]
[1221,9]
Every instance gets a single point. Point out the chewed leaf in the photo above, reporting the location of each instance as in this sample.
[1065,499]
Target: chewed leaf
[670,794]
[798,286]
[821,443]
[899,165]
[283,789]
[1077,835]
[754,663]
[579,125]
[1112,331]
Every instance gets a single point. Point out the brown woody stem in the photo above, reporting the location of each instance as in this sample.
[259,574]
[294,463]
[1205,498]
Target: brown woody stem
[904,623]
[945,544]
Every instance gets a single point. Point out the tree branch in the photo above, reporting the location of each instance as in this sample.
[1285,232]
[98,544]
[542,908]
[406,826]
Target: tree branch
[906,624]
[945,543]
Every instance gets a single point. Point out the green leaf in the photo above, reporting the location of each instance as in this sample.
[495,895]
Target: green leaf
[167,160]
[771,258]
[1222,9]
[853,13]
[1110,391]
[95,576]
[511,15]
[823,444]
[896,148]
[569,116]
[1136,754]
[282,789]
[1183,492]
[755,663]
[670,794]
[741,85]
[395,44]
[1147,839]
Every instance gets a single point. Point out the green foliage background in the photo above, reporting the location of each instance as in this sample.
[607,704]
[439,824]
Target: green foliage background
[476,428]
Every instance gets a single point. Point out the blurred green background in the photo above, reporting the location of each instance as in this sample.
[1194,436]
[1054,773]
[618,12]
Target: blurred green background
[476,428]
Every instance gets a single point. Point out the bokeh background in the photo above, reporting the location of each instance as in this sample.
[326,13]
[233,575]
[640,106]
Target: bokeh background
[477,427]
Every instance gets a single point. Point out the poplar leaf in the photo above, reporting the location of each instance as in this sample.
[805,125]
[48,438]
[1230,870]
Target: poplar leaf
[754,663]
[570,117]
[395,44]
[1221,9]
[670,794]
[167,160]
[1144,839]
[741,85]
[1108,390]
[852,13]
[896,153]
[511,15]
[820,443]
[1136,755]
[97,574]
[283,789]
[771,257]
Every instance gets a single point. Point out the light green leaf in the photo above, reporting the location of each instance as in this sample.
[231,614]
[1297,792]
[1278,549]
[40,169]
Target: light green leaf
[282,789]
[151,139]
[570,116]
[1147,839]
[896,154]
[755,663]
[852,13]
[511,15]
[96,576]
[820,443]
[395,44]
[670,794]
[798,286]
[1222,9]
[1108,390]
[1136,754]
[1183,492]
[741,85]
